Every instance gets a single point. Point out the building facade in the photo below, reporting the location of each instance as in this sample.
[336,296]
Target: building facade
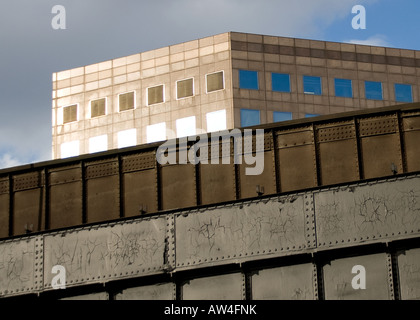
[222,82]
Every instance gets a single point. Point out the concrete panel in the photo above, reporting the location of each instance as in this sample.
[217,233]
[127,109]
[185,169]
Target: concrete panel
[275,226]
[161,291]
[20,266]
[107,252]
[368,212]
[338,278]
[222,287]
[409,274]
[295,282]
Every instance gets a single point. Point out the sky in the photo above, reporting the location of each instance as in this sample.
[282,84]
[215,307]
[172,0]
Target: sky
[98,30]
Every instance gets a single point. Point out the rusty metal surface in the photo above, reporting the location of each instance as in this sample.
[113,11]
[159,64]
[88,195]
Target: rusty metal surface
[160,291]
[337,152]
[178,186]
[409,274]
[20,266]
[338,278]
[274,226]
[221,287]
[295,282]
[4,215]
[27,213]
[363,213]
[222,175]
[140,192]
[267,179]
[297,159]
[107,252]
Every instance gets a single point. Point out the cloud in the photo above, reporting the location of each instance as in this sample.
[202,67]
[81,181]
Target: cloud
[375,40]
[7,160]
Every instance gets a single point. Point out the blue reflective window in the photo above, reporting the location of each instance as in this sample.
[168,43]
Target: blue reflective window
[250,117]
[281,116]
[248,79]
[343,88]
[312,85]
[403,93]
[280,82]
[310,115]
[373,90]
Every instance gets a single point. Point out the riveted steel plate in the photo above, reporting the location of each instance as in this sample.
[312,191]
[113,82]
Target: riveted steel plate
[275,226]
[338,278]
[409,274]
[138,162]
[221,287]
[20,266]
[107,252]
[368,212]
[161,291]
[4,186]
[294,282]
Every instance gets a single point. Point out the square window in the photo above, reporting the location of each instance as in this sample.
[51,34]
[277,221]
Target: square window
[403,93]
[281,116]
[156,132]
[311,115]
[126,101]
[373,90]
[250,117]
[184,88]
[248,79]
[98,144]
[155,95]
[70,149]
[97,108]
[127,138]
[343,88]
[185,127]
[312,85]
[280,82]
[216,121]
[215,81]
[70,113]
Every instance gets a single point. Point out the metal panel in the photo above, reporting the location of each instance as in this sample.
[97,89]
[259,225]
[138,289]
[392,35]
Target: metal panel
[297,159]
[338,159]
[107,252]
[140,192]
[275,226]
[411,126]
[20,266]
[267,179]
[28,213]
[221,287]
[140,187]
[368,212]
[380,146]
[103,194]
[4,208]
[178,186]
[65,187]
[295,282]
[409,274]
[338,278]
[161,291]
[217,182]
